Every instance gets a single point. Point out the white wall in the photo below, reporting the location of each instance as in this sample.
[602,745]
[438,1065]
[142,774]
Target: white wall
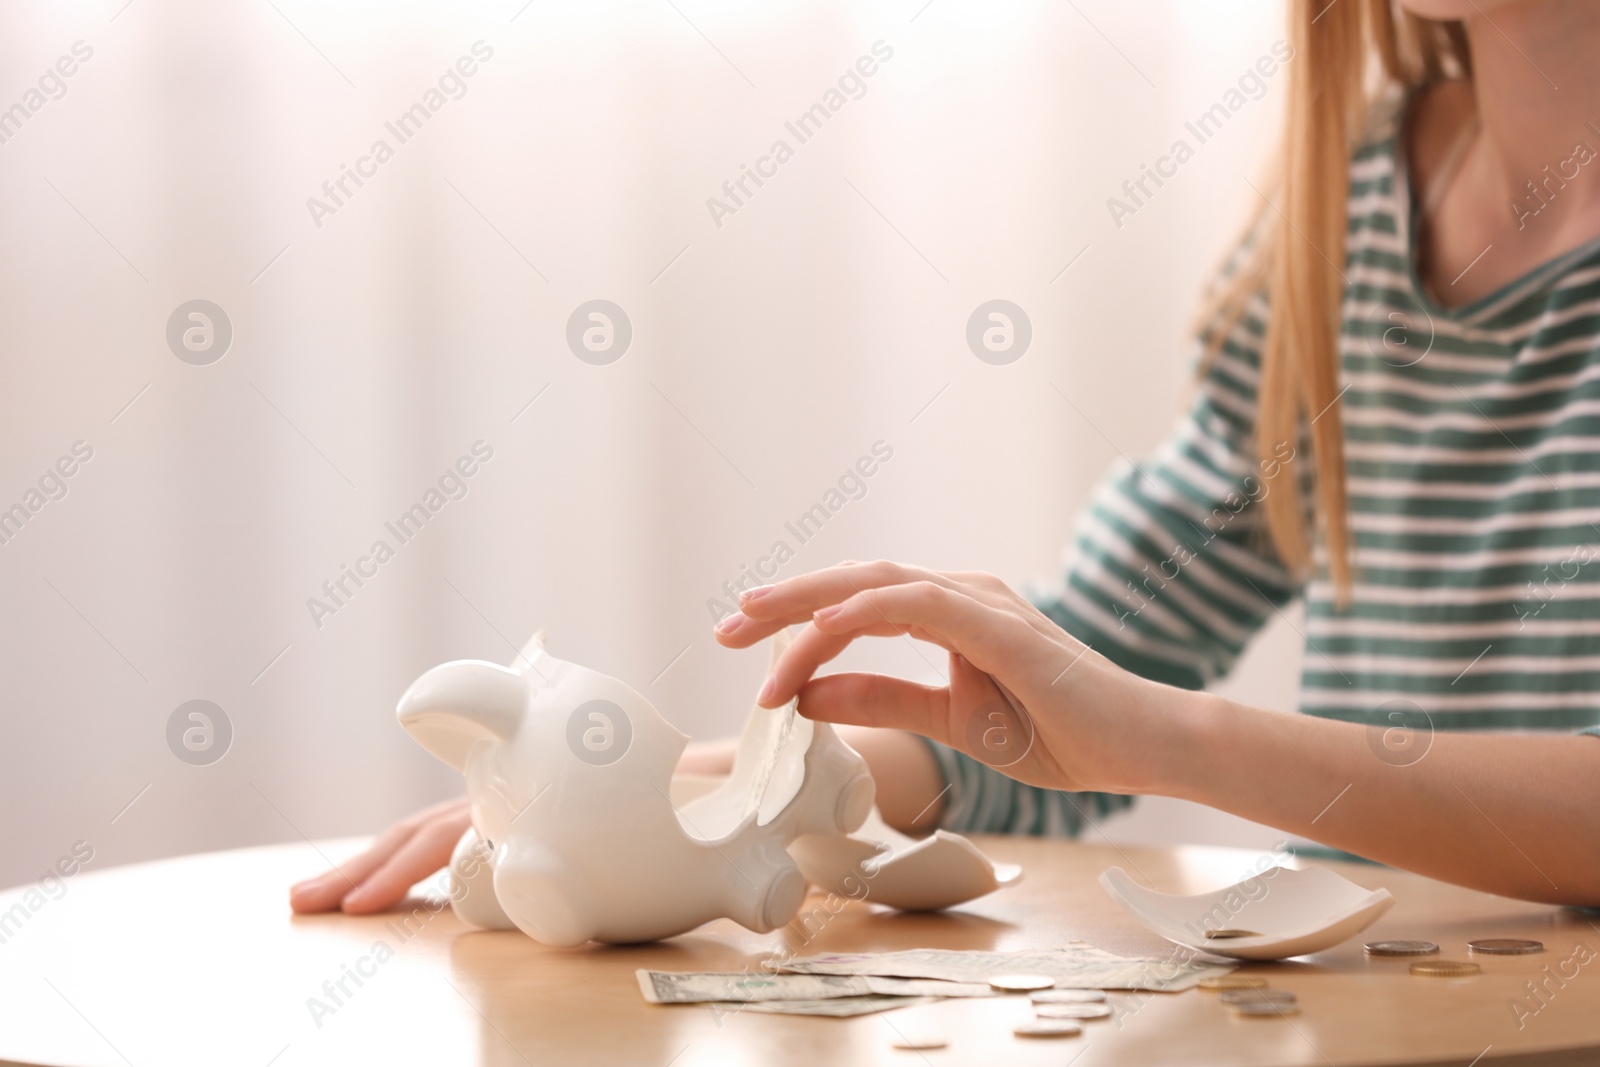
[373,350]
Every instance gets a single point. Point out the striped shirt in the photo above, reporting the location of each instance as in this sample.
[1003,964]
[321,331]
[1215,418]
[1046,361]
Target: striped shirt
[1472,438]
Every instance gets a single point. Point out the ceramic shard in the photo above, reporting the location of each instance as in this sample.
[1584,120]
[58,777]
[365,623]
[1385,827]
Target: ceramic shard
[1274,914]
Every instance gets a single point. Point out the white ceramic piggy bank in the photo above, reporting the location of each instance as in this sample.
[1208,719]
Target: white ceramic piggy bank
[569,774]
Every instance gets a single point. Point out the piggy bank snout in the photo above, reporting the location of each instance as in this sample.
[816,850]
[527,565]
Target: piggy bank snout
[455,705]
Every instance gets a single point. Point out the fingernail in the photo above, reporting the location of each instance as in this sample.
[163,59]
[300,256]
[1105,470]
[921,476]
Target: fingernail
[770,687]
[747,595]
[730,624]
[824,614]
[352,899]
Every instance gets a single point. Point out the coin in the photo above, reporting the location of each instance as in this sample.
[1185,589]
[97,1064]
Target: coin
[1048,1028]
[1021,983]
[1401,948]
[1231,981]
[1258,996]
[918,1044]
[1069,996]
[1072,1011]
[1225,935]
[1264,1010]
[1505,946]
[1445,969]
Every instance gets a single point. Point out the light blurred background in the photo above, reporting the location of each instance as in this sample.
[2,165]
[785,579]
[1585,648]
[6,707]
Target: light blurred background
[371,351]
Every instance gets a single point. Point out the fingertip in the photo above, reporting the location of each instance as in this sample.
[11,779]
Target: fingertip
[359,906]
[772,697]
[311,895]
[361,901]
[830,620]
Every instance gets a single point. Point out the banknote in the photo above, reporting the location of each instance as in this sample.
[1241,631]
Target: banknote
[925,987]
[1073,966]
[694,987]
[837,1007]
[687,987]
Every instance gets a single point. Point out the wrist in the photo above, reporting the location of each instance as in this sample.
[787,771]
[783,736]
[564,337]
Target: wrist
[1177,740]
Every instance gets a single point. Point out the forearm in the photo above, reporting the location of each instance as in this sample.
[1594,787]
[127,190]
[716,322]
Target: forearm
[911,788]
[1514,815]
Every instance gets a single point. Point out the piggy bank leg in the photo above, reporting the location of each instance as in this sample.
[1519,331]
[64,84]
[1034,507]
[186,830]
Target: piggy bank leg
[544,897]
[472,885]
[838,793]
[760,885]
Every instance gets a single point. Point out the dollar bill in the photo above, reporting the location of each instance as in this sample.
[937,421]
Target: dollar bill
[694,987]
[1073,966]
[674,987]
[927,987]
[837,1007]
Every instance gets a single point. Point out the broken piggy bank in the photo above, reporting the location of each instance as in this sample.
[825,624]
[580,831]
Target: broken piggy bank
[582,835]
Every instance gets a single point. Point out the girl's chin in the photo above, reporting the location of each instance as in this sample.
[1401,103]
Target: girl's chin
[1449,10]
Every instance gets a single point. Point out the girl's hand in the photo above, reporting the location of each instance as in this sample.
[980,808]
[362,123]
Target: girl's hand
[420,844]
[1071,719]
[402,856]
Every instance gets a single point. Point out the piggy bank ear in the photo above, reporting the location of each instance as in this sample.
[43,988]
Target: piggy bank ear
[456,704]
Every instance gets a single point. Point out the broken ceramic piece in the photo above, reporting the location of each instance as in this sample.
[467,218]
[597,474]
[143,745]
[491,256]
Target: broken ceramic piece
[568,777]
[1285,912]
[878,863]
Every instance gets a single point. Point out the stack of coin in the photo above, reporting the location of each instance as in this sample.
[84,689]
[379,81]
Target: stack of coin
[1261,1003]
[1072,1011]
[1264,1010]
[1505,946]
[1231,981]
[1021,983]
[1445,969]
[1068,996]
[1401,948]
[918,1043]
[1061,1012]
[1047,1028]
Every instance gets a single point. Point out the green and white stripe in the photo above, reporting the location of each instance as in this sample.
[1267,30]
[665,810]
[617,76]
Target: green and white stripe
[1474,479]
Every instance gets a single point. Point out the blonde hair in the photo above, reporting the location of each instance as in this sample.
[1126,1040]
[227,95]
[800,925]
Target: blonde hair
[1347,54]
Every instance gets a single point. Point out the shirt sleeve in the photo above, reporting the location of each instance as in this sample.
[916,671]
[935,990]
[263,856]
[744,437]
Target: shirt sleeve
[1169,575]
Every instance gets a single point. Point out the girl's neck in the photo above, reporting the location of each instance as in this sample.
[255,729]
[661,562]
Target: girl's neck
[1537,88]
[1526,189]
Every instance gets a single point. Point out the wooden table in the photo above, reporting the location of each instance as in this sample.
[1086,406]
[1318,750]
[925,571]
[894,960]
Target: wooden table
[197,960]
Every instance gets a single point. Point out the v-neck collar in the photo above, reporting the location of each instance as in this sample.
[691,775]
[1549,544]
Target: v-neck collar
[1495,310]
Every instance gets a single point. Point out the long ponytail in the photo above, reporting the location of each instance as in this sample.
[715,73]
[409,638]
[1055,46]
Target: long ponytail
[1347,53]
